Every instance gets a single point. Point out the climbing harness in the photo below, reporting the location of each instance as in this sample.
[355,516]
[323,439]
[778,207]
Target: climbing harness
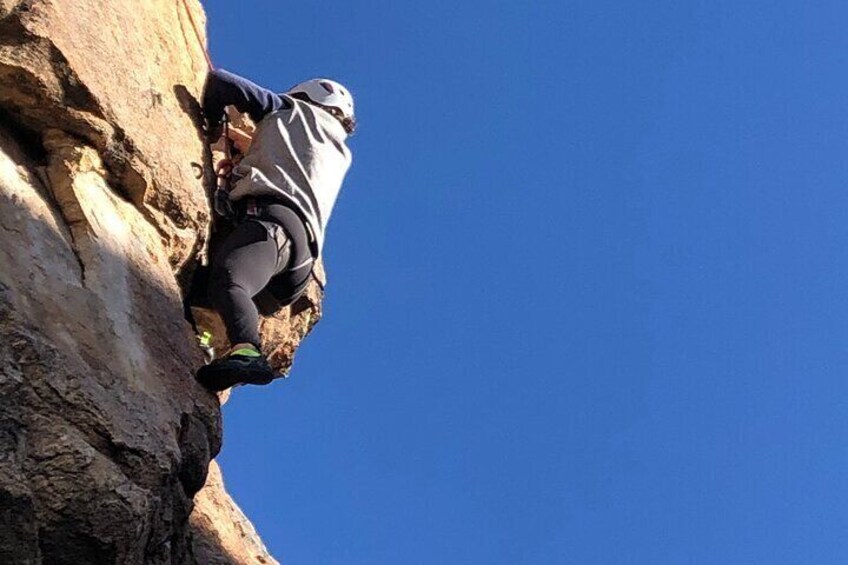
[223,173]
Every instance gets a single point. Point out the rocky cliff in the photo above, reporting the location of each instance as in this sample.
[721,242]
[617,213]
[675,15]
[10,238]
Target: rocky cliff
[105,438]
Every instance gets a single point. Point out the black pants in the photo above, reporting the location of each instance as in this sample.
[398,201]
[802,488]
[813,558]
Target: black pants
[268,252]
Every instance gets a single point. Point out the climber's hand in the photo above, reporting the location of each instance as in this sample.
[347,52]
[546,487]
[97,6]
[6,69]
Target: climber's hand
[224,168]
[223,205]
[240,139]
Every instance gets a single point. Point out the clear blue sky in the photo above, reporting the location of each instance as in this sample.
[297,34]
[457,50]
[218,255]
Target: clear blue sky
[587,297]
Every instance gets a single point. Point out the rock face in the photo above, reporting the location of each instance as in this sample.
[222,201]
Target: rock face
[217,522]
[105,438]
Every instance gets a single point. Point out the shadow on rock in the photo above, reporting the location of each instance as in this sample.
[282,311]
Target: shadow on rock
[105,435]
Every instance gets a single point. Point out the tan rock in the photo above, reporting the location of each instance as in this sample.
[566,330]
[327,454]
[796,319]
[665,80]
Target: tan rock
[104,435]
[125,77]
[222,534]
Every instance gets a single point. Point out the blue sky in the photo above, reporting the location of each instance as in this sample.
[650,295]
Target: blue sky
[587,287]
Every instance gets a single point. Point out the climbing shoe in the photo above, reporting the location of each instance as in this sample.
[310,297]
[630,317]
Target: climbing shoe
[242,366]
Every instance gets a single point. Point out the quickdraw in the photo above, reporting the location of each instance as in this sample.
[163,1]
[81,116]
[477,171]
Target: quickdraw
[224,169]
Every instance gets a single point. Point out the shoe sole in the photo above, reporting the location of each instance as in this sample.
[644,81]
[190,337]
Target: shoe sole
[221,379]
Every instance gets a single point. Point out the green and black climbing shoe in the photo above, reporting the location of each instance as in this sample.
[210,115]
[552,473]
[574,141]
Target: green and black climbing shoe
[245,365]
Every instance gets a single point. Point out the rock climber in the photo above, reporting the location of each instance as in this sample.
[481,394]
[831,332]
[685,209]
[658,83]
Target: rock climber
[282,193]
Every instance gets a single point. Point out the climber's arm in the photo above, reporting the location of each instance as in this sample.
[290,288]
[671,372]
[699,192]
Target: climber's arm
[226,89]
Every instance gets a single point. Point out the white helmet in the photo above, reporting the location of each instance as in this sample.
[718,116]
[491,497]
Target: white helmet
[327,93]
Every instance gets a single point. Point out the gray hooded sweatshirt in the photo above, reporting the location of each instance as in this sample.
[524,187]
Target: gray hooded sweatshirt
[298,153]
